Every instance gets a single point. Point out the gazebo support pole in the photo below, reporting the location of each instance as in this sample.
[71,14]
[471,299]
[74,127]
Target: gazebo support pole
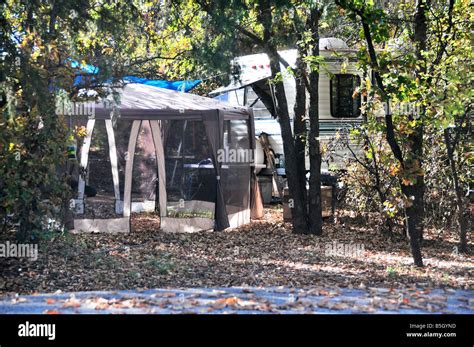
[113,163]
[129,156]
[160,161]
[83,166]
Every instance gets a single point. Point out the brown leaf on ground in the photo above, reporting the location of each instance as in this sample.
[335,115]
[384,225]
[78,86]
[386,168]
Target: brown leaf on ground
[228,301]
[261,254]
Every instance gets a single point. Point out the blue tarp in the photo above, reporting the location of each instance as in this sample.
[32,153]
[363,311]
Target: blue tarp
[184,86]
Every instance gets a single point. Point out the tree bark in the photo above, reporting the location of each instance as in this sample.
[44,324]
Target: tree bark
[299,122]
[315,208]
[415,209]
[298,209]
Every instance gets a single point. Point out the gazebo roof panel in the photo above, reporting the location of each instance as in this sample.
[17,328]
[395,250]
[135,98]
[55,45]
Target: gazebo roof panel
[142,97]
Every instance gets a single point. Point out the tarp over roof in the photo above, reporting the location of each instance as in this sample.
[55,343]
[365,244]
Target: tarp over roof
[182,86]
[142,101]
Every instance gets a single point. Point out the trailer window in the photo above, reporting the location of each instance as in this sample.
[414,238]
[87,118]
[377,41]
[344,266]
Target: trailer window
[342,88]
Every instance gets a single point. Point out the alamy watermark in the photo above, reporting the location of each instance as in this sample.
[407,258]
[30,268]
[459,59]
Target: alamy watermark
[19,250]
[28,329]
[339,249]
[331,249]
[237,155]
[403,108]
[67,108]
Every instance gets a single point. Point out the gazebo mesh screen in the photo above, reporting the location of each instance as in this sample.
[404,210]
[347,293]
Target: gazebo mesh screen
[144,166]
[99,176]
[190,174]
[235,174]
[122,136]
[99,172]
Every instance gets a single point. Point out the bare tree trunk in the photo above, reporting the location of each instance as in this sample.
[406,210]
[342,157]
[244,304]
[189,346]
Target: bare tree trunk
[414,219]
[299,122]
[315,208]
[299,213]
[415,209]
[268,44]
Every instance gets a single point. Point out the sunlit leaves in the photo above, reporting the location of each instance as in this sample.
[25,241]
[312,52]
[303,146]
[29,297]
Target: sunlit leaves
[429,91]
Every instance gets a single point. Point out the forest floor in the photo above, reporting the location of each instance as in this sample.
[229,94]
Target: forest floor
[350,255]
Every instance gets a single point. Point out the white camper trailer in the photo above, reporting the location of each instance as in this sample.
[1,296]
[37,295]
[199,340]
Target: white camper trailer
[337,81]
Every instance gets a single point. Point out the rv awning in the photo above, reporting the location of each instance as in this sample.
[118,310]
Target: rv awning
[254,68]
[237,85]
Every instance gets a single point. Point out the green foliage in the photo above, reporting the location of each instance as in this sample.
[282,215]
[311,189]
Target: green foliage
[427,95]
[38,40]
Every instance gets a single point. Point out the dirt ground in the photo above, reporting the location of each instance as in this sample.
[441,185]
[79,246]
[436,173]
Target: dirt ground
[352,253]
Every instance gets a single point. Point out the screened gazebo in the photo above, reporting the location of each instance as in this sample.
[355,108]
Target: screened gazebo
[187,158]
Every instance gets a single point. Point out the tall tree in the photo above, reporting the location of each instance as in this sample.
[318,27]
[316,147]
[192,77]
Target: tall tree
[403,67]
[369,17]
[315,207]
[269,25]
